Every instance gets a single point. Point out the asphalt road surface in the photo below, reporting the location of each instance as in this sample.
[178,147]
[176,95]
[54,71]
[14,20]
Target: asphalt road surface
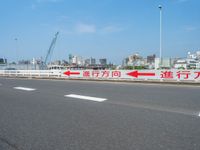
[82,115]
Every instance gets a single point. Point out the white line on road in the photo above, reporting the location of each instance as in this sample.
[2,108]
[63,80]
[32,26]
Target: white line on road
[24,88]
[86,97]
[199,114]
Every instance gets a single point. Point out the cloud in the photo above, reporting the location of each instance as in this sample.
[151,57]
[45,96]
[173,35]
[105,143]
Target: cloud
[37,3]
[33,6]
[111,29]
[182,1]
[190,28]
[63,18]
[85,28]
[48,1]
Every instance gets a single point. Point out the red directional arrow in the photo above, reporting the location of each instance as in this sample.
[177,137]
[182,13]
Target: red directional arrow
[68,73]
[136,74]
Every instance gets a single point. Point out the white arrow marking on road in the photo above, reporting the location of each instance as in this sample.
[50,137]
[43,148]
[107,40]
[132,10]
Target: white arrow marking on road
[24,88]
[86,97]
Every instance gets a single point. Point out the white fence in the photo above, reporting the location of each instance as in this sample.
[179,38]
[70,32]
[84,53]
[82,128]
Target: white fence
[31,73]
[129,75]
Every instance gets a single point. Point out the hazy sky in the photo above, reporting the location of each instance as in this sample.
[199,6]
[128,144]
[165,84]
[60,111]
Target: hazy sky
[99,28]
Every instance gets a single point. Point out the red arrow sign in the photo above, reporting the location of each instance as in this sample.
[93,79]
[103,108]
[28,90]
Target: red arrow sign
[136,74]
[68,73]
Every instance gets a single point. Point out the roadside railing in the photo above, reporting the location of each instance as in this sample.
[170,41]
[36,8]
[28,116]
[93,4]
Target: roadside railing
[172,75]
[31,73]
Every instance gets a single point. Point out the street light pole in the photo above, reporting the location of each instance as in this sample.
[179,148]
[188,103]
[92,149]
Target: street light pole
[160,7]
[16,40]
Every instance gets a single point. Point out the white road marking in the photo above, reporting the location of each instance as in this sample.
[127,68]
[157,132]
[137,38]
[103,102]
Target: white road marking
[86,97]
[199,114]
[24,88]
[0,84]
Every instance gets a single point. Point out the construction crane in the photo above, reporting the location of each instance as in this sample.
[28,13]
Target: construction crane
[50,50]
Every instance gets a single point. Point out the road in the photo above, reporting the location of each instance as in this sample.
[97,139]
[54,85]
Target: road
[83,115]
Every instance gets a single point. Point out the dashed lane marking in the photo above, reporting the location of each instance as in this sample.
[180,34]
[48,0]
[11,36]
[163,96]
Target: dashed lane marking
[96,99]
[24,88]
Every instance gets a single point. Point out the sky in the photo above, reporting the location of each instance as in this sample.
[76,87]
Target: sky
[112,29]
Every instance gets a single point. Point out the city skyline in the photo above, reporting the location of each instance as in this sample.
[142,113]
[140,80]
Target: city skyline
[112,29]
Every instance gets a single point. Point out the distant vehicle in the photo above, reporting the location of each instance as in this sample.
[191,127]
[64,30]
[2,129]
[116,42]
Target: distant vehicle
[10,69]
[55,67]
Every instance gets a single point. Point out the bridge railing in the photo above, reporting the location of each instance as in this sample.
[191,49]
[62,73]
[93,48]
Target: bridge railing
[172,75]
[31,73]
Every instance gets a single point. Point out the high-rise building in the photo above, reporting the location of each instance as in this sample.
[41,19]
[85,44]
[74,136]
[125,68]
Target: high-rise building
[151,59]
[3,61]
[103,61]
[77,60]
[92,61]
[125,62]
[70,58]
[87,62]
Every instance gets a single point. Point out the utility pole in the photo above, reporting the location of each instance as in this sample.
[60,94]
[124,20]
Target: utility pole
[160,61]
[16,40]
